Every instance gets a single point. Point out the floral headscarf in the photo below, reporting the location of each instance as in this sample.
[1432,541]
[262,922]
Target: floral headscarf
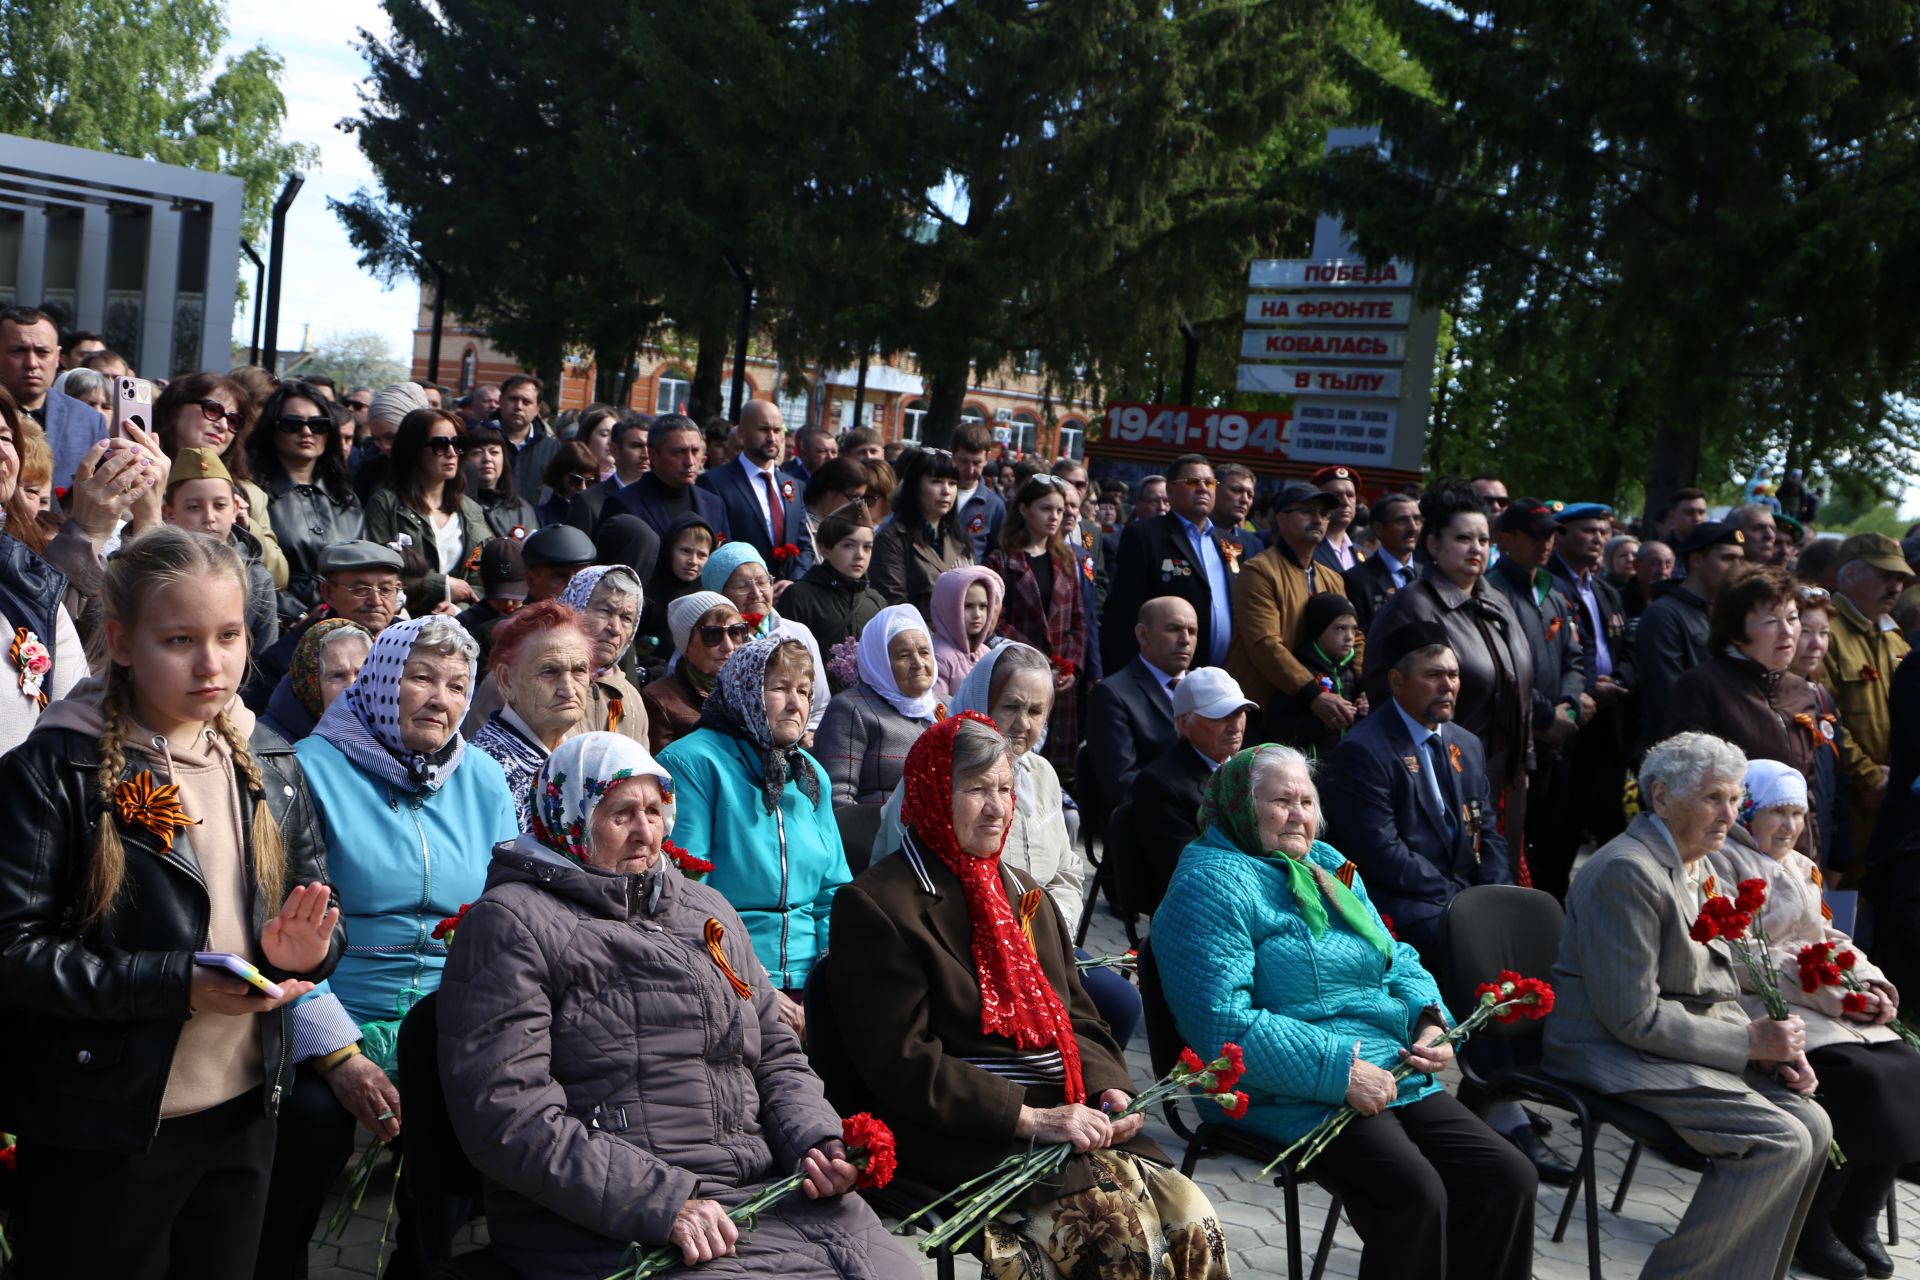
[364,722]
[304,672]
[738,707]
[1227,807]
[1016,999]
[876,659]
[579,594]
[576,777]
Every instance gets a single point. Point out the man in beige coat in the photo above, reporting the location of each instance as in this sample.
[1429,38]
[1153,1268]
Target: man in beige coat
[1645,1013]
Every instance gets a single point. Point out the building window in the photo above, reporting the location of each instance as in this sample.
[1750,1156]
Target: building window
[1073,439]
[973,413]
[793,408]
[672,392]
[469,369]
[910,418]
[1025,438]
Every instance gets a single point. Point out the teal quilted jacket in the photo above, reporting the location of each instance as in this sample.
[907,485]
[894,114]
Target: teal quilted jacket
[1238,964]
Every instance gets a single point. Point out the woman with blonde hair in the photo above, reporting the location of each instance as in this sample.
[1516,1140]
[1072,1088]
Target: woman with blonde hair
[165,823]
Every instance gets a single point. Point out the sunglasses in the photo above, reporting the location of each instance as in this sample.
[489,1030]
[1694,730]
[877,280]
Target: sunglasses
[1496,502]
[445,445]
[214,411]
[358,406]
[1808,594]
[1193,482]
[578,481]
[293,424]
[714,632]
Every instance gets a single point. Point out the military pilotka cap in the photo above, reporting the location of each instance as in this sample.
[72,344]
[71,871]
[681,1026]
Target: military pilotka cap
[1527,515]
[557,544]
[1298,493]
[1876,550]
[196,464]
[358,554]
[1709,534]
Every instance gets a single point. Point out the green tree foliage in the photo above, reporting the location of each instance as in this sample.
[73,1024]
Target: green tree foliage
[361,358]
[1676,238]
[138,77]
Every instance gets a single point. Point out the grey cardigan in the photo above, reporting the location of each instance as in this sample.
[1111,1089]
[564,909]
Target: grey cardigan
[863,742]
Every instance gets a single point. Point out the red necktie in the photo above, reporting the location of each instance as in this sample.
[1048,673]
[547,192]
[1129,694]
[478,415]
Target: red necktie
[776,510]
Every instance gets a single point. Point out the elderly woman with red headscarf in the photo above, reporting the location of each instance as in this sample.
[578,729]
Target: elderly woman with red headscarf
[954,986]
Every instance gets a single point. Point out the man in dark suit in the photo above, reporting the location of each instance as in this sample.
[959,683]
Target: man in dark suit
[1237,492]
[1396,522]
[763,507]
[1130,713]
[1599,751]
[813,447]
[1407,799]
[1337,550]
[676,451]
[629,464]
[1177,554]
[1210,715]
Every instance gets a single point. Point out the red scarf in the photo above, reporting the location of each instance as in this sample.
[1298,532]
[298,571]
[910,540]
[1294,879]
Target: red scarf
[1016,999]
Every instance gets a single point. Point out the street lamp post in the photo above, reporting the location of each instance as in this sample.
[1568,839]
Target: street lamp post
[295,181]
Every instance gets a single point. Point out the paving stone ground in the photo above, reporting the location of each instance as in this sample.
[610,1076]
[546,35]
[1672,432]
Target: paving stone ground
[1256,1225]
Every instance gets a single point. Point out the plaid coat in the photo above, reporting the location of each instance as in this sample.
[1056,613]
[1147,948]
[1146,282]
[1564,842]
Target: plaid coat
[1056,626]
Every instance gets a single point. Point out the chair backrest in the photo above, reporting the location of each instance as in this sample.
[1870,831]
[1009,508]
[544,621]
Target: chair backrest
[859,824]
[1163,1034]
[1122,860]
[1086,794]
[436,1166]
[827,1050]
[1491,927]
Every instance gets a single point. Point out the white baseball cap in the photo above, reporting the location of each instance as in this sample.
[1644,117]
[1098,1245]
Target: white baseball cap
[1210,692]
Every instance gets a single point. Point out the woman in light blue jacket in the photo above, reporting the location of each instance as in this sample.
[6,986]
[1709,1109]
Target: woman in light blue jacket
[411,817]
[1266,939]
[758,807]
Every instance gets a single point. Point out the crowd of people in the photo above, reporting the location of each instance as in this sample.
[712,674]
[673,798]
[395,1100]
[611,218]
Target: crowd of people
[661,765]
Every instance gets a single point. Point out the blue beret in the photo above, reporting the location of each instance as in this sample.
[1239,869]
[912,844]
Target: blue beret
[1584,511]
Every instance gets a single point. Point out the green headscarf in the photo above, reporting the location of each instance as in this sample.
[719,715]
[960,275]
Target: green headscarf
[1227,806]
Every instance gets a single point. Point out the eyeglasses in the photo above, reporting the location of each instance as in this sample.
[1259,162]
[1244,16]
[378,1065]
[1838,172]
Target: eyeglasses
[1810,595]
[1196,482]
[214,411]
[712,633]
[365,591]
[293,424]
[358,406]
[1497,502]
[577,480]
[1052,482]
[446,445]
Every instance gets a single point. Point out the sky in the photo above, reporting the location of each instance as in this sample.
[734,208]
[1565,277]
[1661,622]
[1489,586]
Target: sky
[322,284]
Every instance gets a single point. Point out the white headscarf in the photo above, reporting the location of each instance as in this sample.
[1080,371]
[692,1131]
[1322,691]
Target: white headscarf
[1773,785]
[876,663]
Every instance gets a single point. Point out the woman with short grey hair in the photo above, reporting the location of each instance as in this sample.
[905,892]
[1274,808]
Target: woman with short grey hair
[1648,1014]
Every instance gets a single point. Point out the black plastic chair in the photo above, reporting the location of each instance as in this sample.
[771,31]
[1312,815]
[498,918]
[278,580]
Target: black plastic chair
[859,824]
[1492,927]
[437,1170]
[1207,1137]
[827,1053]
[1093,827]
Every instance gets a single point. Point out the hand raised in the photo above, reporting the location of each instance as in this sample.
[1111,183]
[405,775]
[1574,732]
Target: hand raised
[297,939]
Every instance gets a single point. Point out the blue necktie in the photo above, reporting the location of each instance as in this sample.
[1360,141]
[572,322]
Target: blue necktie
[1437,761]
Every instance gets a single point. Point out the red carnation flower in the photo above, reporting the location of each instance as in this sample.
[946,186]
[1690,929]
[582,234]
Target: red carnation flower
[1228,1067]
[1234,1103]
[1191,1061]
[1853,1002]
[1703,929]
[1846,959]
[753,619]
[870,1147]
[443,932]
[1387,920]
[1752,896]
[687,862]
[6,1159]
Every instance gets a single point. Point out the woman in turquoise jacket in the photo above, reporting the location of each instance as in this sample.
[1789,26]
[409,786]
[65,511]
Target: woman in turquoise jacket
[1267,939]
[753,803]
[411,817]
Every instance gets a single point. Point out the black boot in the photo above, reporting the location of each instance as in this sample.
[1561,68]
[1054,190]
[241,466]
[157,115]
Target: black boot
[1551,1169]
[1856,1217]
[1820,1251]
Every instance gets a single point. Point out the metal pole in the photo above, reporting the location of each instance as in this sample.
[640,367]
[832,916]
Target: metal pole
[295,181]
[740,332]
[439,318]
[860,390]
[1190,374]
[259,298]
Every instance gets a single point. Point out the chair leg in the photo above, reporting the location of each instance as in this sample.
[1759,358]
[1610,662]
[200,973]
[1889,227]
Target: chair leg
[1086,911]
[1893,1214]
[1593,1218]
[1573,1188]
[943,1265]
[1195,1149]
[1292,1188]
[1626,1177]
[1326,1239]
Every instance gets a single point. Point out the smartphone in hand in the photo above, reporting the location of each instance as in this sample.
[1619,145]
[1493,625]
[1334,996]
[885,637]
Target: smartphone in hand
[132,406]
[240,969]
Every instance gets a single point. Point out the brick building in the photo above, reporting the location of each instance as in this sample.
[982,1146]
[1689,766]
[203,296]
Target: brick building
[1013,402]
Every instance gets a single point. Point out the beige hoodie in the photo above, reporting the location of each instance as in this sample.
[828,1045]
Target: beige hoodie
[218,1057]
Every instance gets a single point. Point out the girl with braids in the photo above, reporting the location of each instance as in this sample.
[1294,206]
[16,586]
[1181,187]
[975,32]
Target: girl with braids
[164,822]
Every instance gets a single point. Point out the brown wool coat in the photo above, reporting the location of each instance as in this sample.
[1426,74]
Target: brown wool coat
[903,987]
[1758,712]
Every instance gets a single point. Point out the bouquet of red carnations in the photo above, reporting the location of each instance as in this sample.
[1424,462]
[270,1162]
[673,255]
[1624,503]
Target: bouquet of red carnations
[870,1149]
[691,865]
[1822,966]
[980,1200]
[1508,1000]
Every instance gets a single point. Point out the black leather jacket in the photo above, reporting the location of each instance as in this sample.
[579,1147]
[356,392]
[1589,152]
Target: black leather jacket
[307,520]
[95,1013]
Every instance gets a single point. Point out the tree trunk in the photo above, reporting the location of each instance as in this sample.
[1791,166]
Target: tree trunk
[708,396]
[947,385]
[1676,460]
